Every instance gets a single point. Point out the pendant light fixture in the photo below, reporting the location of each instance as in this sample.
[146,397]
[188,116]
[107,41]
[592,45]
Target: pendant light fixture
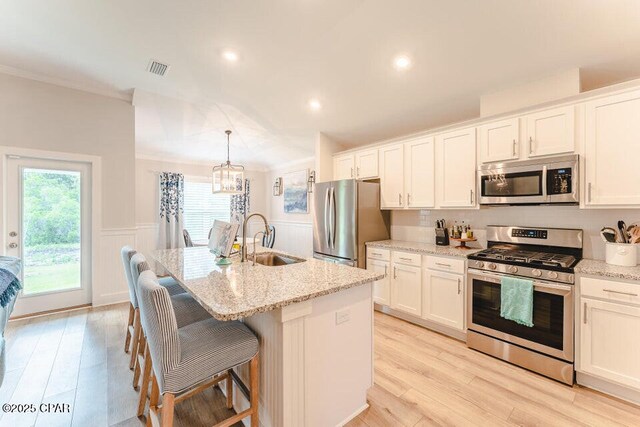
[228,178]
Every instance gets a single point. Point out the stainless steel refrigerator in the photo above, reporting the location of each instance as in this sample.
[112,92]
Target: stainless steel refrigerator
[346,214]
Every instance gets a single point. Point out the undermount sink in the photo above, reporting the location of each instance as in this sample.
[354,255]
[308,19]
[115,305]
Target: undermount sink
[272,259]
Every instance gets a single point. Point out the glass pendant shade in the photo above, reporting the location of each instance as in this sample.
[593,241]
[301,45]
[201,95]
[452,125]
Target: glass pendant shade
[228,178]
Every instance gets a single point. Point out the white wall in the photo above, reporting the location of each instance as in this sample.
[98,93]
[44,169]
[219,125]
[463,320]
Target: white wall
[44,116]
[294,232]
[325,148]
[418,226]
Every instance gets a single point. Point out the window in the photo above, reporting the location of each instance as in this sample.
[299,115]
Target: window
[201,208]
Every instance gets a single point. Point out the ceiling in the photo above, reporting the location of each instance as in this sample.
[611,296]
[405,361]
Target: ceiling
[337,51]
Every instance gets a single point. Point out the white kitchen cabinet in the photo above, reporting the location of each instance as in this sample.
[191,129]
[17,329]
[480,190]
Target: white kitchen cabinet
[609,344]
[344,166]
[420,173]
[499,141]
[367,164]
[551,132]
[443,298]
[392,176]
[406,289]
[457,176]
[612,129]
[381,288]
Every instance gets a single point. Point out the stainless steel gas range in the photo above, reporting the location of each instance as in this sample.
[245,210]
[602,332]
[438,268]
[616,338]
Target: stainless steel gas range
[547,256]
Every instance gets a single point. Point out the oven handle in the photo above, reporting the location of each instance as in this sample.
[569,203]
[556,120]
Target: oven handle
[537,284]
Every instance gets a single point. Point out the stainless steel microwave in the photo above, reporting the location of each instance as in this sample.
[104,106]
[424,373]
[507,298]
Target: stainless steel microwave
[530,182]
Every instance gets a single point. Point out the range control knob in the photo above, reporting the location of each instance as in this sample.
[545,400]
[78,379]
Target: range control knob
[513,269]
[552,275]
[479,264]
[536,272]
[492,266]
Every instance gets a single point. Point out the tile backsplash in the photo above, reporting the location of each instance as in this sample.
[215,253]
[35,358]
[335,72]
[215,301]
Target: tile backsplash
[418,226]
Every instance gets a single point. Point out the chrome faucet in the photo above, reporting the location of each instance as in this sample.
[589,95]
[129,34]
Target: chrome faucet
[243,257]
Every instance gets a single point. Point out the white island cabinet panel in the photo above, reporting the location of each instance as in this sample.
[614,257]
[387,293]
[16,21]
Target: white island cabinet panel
[612,140]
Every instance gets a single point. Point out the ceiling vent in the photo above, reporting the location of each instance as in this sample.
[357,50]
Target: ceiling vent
[157,68]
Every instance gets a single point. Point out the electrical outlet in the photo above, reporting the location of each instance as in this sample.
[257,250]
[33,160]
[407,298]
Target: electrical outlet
[343,316]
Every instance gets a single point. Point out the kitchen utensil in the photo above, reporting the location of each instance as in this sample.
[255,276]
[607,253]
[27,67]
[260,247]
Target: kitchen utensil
[609,235]
[634,234]
[623,232]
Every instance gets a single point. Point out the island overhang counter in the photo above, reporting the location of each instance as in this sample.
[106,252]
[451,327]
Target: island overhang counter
[314,321]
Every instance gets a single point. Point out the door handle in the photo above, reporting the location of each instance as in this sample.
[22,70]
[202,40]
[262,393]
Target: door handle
[358,171]
[589,192]
[395,272]
[530,145]
[408,199]
[514,148]
[443,265]
[333,218]
[459,287]
[584,309]
[400,199]
[385,271]
[13,245]
[471,196]
[351,172]
[327,205]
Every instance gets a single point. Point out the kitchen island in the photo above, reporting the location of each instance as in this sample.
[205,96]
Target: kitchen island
[314,320]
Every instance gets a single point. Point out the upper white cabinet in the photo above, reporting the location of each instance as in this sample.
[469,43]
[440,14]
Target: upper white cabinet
[344,166]
[612,140]
[367,164]
[392,176]
[457,178]
[419,173]
[551,132]
[499,141]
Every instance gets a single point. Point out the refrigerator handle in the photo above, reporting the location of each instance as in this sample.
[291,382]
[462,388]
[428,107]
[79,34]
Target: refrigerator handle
[333,225]
[326,216]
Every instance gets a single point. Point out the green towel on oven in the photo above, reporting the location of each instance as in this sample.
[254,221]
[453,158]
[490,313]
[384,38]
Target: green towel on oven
[516,300]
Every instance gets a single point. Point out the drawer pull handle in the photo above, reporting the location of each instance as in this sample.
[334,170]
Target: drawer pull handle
[459,289]
[406,259]
[584,318]
[622,293]
[443,265]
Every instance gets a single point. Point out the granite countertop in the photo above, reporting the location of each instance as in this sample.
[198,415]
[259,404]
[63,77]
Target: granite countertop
[423,248]
[241,289]
[601,268]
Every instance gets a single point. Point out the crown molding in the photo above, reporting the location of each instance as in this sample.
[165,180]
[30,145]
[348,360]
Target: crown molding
[43,78]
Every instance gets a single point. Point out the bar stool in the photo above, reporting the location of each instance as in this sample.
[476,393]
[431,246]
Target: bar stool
[187,310]
[187,360]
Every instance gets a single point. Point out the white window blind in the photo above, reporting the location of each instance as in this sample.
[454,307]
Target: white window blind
[201,208]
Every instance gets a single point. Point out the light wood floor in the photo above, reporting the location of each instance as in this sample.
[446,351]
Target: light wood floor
[421,378]
[424,378]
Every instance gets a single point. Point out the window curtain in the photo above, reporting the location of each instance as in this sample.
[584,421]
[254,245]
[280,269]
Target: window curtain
[240,204]
[171,209]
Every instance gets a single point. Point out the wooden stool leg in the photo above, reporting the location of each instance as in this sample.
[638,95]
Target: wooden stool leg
[142,343]
[153,400]
[127,339]
[144,389]
[229,390]
[167,409]
[254,390]
[136,337]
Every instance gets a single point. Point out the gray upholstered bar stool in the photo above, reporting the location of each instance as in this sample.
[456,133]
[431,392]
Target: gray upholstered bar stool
[186,360]
[187,310]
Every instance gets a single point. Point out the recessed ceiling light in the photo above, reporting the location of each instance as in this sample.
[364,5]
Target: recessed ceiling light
[314,104]
[402,62]
[230,56]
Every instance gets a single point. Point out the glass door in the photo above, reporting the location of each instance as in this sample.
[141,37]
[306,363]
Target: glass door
[48,224]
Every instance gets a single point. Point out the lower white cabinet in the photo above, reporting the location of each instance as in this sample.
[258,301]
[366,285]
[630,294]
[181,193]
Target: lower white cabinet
[406,288]
[610,341]
[443,298]
[381,288]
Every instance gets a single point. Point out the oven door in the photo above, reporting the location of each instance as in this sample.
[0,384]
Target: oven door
[513,185]
[552,332]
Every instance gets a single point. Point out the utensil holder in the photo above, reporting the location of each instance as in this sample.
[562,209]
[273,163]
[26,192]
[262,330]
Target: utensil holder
[622,254]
